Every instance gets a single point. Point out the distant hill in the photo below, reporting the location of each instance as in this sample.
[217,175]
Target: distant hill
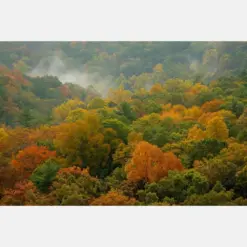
[37,76]
[207,60]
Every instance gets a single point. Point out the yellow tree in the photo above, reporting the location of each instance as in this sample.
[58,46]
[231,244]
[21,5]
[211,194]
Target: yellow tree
[226,115]
[3,137]
[196,133]
[77,114]
[141,92]
[156,88]
[177,85]
[242,120]
[158,68]
[119,95]
[193,113]
[179,108]
[217,129]
[198,88]
[83,143]
[134,137]
[62,111]
[167,107]
[235,152]
[96,103]
[174,115]
[17,139]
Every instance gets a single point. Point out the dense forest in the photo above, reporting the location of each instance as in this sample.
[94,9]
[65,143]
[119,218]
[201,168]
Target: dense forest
[123,123]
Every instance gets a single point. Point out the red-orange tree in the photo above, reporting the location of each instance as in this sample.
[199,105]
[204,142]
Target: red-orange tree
[21,194]
[149,163]
[212,106]
[29,158]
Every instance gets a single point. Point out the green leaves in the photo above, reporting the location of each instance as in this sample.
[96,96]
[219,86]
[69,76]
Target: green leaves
[44,174]
[121,129]
[218,169]
[206,148]
[126,110]
[241,182]
[175,188]
[96,103]
[212,198]
[26,118]
[71,189]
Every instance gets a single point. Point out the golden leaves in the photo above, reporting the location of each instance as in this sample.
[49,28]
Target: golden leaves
[195,133]
[62,111]
[217,129]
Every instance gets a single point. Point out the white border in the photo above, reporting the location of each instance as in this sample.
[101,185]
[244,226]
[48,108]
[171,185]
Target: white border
[128,20]
[122,21]
[122,226]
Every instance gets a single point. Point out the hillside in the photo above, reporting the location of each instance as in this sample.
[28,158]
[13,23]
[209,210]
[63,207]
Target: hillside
[157,123]
[179,59]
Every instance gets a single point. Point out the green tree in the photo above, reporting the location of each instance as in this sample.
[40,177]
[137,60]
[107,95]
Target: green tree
[218,169]
[234,105]
[204,149]
[210,199]
[121,129]
[241,182]
[179,185]
[26,118]
[44,174]
[218,187]
[126,110]
[75,188]
[114,180]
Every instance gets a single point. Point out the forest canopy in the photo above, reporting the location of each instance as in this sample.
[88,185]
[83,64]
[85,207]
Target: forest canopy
[123,123]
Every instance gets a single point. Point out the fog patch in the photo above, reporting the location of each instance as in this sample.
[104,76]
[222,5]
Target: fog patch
[57,65]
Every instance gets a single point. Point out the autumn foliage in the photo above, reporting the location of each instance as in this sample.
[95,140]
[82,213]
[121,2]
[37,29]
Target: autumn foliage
[196,133]
[74,170]
[217,129]
[29,158]
[113,198]
[20,195]
[159,130]
[212,106]
[149,163]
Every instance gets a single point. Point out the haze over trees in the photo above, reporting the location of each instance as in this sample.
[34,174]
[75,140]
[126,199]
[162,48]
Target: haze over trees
[118,123]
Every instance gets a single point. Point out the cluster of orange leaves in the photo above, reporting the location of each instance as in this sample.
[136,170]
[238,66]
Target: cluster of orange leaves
[74,170]
[212,106]
[149,163]
[179,112]
[113,198]
[201,114]
[29,158]
[19,195]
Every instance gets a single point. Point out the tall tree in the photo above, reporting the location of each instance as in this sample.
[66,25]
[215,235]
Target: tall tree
[150,164]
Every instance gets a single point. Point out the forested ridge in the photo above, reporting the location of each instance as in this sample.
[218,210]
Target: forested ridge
[141,123]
